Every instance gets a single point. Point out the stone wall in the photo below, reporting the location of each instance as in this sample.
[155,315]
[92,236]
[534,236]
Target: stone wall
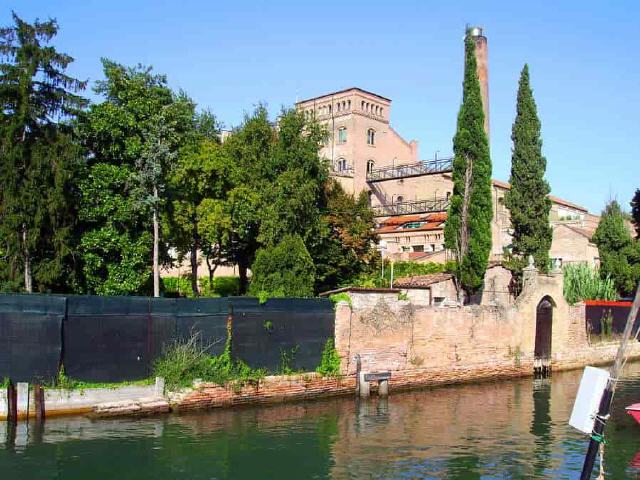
[272,389]
[426,345]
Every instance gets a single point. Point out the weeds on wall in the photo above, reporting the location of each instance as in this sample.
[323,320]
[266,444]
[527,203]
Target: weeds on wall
[582,282]
[340,297]
[287,359]
[187,360]
[330,361]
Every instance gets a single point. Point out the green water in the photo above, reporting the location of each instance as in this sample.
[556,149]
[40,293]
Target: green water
[503,430]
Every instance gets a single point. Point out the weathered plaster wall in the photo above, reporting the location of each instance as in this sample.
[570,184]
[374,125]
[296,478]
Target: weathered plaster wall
[430,345]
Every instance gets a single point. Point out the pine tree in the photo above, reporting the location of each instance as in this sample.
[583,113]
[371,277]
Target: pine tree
[37,159]
[635,212]
[468,227]
[527,200]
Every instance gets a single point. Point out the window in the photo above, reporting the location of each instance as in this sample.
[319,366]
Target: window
[412,225]
[381,110]
[400,199]
[371,137]
[433,247]
[348,104]
[342,165]
[437,301]
[370,165]
[406,249]
[418,248]
[362,105]
[342,135]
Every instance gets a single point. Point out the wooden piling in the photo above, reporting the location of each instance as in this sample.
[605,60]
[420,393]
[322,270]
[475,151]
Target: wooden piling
[38,399]
[12,403]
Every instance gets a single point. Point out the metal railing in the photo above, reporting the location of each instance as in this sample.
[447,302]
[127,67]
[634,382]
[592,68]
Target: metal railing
[411,170]
[418,206]
[345,172]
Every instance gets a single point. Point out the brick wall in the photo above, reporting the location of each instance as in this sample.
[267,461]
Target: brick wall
[272,389]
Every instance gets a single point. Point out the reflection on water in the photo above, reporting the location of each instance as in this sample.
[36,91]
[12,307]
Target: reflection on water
[512,429]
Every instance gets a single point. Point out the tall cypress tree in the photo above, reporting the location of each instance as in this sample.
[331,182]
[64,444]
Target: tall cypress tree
[635,212]
[527,200]
[36,157]
[468,227]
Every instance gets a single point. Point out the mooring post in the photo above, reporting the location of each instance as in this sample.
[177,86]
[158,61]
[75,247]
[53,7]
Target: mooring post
[158,388]
[38,399]
[365,389]
[358,368]
[383,388]
[22,389]
[12,403]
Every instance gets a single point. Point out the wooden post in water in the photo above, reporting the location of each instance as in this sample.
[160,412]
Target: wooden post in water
[38,399]
[597,435]
[12,403]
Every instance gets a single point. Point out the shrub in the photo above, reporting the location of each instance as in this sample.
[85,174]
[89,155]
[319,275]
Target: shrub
[401,269]
[581,282]
[330,361]
[340,297]
[222,286]
[186,360]
[284,270]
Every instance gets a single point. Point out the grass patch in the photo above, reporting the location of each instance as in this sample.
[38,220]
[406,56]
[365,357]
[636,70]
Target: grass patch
[63,382]
[187,360]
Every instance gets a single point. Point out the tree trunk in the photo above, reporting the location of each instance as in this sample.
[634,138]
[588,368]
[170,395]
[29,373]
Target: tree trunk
[194,266]
[212,269]
[156,245]
[28,281]
[242,271]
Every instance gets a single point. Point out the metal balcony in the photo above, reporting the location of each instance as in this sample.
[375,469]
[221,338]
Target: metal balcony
[345,172]
[411,170]
[406,208]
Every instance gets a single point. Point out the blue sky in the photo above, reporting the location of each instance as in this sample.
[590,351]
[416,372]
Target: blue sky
[583,59]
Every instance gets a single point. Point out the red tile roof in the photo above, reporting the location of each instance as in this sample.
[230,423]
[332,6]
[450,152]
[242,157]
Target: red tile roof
[422,281]
[553,198]
[433,221]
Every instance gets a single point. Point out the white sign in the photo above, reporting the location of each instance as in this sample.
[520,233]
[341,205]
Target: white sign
[594,381]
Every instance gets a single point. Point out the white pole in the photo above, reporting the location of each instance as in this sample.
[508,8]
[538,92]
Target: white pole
[391,283]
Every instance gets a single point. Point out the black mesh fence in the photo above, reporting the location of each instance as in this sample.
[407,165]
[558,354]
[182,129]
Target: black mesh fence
[282,333]
[204,317]
[609,318]
[30,340]
[112,339]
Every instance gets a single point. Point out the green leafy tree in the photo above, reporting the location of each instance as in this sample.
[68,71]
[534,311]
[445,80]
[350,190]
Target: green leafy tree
[283,270]
[619,253]
[200,176]
[276,188]
[117,244]
[527,199]
[635,212]
[344,245]
[468,226]
[38,160]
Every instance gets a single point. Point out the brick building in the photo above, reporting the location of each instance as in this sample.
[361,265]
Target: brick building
[410,196]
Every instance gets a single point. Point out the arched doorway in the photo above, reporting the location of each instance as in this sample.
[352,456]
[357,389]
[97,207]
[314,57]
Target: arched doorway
[544,324]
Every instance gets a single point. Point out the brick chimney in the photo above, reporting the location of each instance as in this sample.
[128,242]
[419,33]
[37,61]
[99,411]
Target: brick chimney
[483,70]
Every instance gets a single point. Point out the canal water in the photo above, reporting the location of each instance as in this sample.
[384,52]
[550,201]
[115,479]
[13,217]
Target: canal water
[513,429]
